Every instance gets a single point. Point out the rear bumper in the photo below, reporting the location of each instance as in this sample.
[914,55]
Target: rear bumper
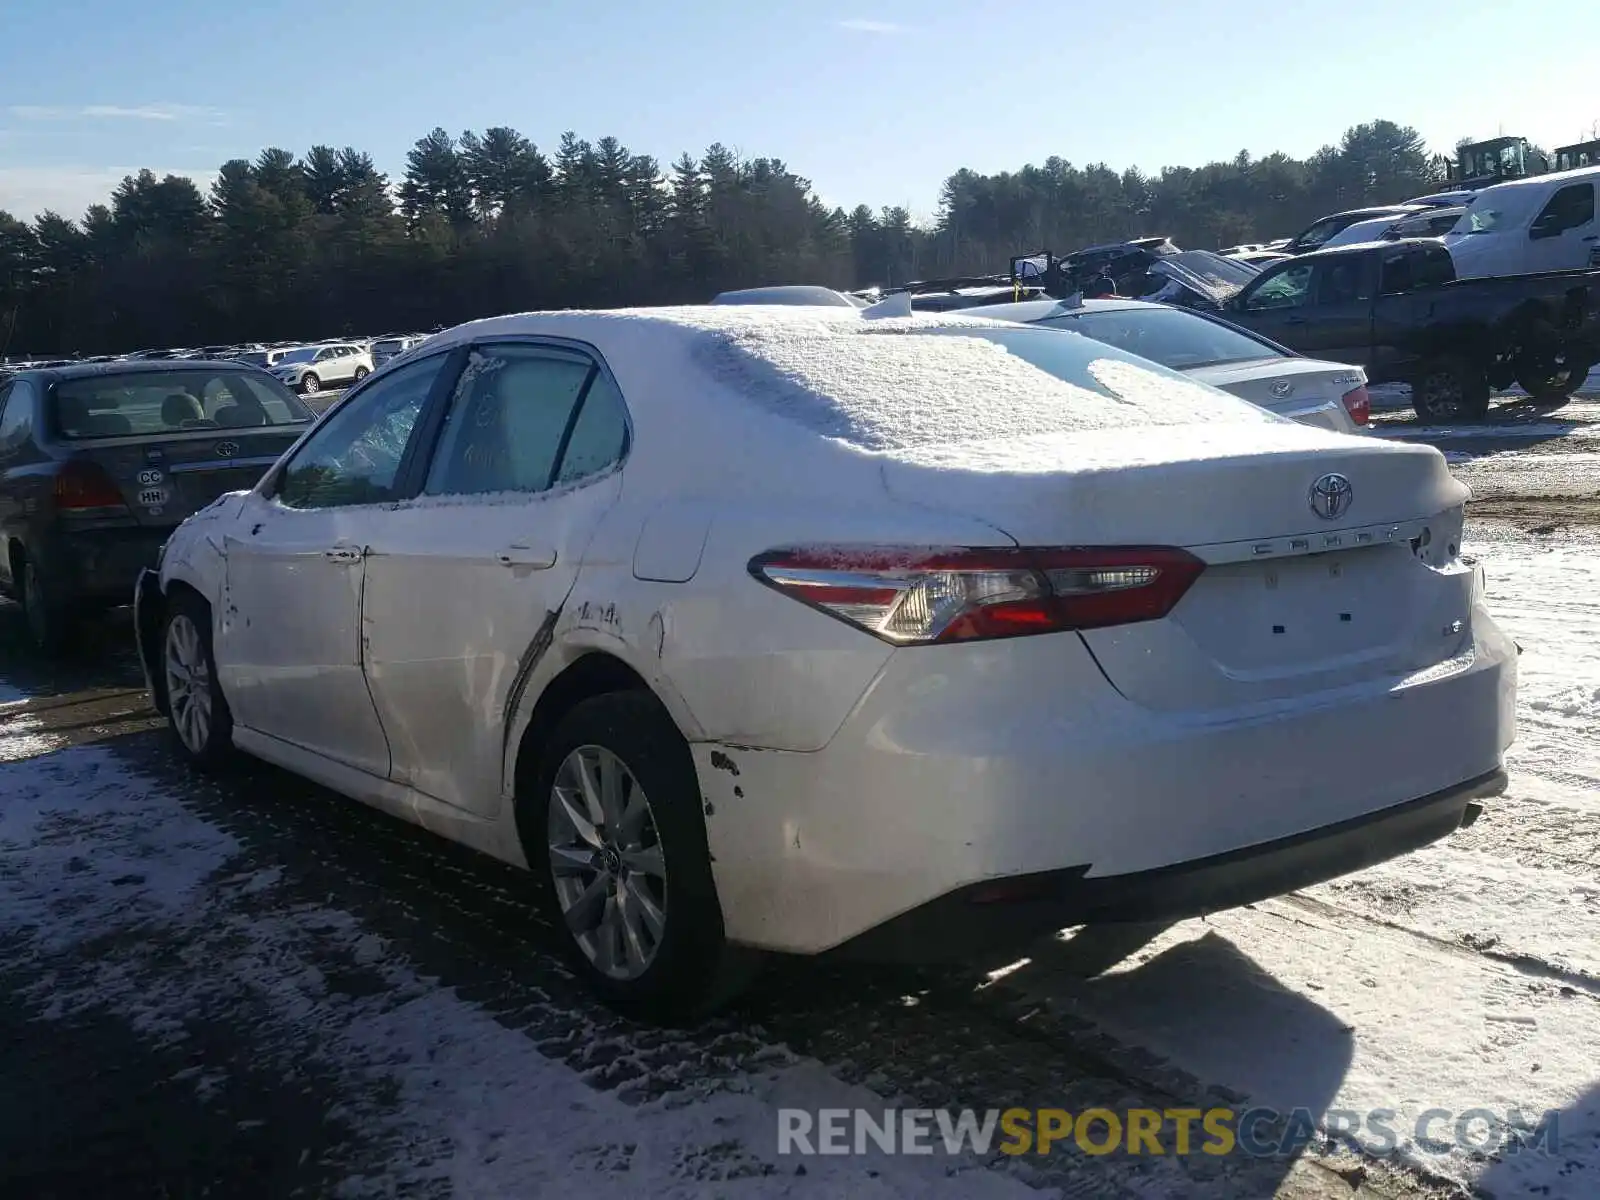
[972,767]
[990,916]
[98,566]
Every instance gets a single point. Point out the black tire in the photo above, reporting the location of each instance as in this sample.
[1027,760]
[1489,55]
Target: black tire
[361,373]
[1450,389]
[1551,383]
[310,385]
[693,969]
[51,623]
[214,750]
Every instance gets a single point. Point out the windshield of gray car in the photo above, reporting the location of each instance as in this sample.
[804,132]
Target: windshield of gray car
[163,402]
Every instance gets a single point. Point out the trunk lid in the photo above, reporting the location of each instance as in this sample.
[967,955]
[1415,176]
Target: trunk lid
[1301,389]
[164,479]
[1174,485]
[1293,600]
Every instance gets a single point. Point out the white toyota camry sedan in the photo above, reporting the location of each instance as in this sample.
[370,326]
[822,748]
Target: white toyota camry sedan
[804,630]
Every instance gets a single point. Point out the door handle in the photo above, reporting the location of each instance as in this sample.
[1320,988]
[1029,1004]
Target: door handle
[539,558]
[343,554]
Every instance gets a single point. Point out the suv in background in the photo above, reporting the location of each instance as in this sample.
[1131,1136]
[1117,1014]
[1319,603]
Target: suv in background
[310,368]
[393,346]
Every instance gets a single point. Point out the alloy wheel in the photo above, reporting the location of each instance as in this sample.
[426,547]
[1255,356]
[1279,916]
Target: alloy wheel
[188,677]
[606,862]
[1442,395]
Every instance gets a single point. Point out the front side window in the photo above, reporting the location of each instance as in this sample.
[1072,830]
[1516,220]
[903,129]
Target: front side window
[521,420]
[1570,208]
[355,456]
[1289,288]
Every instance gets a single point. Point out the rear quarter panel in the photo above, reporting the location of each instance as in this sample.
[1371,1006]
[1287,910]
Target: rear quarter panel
[747,664]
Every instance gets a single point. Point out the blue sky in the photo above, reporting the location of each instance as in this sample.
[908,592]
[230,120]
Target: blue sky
[874,102]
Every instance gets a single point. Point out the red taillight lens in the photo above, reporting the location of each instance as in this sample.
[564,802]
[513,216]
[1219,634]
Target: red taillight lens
[83,485]
[916,596]
[1359,405]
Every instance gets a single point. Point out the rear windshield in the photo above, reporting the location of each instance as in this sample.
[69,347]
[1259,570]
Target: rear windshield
[256,358]
[898,384]
[390,346]
[1214,268]
[1169,336]
[162,402]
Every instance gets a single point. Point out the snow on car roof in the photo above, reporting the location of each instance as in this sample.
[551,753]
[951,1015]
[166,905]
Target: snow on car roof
[887,385]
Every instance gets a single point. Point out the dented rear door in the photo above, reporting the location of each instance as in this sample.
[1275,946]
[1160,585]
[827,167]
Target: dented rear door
[466,583]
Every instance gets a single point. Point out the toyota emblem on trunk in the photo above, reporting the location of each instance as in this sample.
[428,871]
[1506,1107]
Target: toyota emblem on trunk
[1330,496]
[1281,388]
[227,449]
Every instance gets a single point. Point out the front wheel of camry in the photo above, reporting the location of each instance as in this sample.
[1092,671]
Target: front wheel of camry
[196,710]
[617,829]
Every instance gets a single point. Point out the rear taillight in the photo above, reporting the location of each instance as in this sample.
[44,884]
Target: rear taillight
[915,596]
[83,485]
[1358,404]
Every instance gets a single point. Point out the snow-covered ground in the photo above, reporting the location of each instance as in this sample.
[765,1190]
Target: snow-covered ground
[465,1062]
[1465,976]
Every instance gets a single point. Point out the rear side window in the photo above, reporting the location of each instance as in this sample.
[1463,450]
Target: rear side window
[1432,265]
[1398,276]
[524,418]
[16,415]
[165,402]
[600,434]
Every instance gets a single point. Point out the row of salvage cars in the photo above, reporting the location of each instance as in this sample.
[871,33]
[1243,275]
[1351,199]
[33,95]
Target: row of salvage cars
[830,630]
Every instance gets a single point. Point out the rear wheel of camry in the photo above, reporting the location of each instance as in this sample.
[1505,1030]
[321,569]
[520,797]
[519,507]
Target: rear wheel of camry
[1450,389]
[310,385]
[617,815]
[196,709]
[50,623]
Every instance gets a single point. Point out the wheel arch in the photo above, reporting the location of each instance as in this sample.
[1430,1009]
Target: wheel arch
[590,671]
